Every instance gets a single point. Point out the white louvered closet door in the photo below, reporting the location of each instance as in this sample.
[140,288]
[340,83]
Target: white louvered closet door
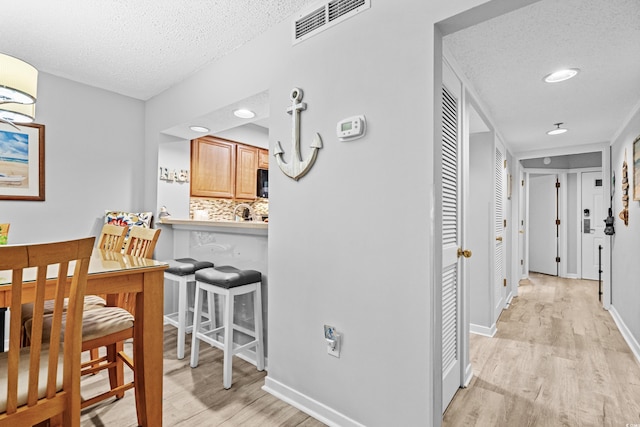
[451,373]
[499,225]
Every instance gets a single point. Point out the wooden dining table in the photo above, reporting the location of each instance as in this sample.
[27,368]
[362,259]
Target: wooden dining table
[113,273]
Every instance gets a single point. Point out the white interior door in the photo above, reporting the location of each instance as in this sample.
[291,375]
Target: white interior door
[499,276]
[451,237]
[592,230]
[522,237]
[543,238]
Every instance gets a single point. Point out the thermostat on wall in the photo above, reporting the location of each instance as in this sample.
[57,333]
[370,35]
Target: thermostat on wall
[351,128]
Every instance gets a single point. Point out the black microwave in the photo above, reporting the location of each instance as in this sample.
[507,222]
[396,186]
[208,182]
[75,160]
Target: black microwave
[263,183]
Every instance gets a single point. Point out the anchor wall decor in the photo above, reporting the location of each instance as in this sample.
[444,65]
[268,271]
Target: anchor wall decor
[297,167]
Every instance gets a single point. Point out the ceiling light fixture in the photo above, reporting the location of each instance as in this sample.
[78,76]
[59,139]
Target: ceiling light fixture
[17,113]
[18,80]
[200,129]
[558,130]
[243,113]
[18,90]
[561,75]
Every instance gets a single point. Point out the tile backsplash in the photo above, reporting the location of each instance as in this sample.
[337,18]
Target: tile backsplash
[222,209]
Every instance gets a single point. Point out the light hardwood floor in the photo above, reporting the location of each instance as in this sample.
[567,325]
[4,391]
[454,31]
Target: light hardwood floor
[557,359]
[195,397]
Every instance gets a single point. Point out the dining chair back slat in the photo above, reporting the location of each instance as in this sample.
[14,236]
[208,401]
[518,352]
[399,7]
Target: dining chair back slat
[42,381]
[142,241]
[112,237]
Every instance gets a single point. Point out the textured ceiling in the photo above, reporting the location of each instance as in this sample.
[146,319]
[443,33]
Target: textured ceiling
[140,48]
[136,48]
[506,58]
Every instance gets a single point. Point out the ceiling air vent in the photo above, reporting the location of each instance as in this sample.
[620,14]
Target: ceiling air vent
[320,18]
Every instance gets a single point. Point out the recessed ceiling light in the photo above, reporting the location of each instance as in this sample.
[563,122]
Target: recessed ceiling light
[561,75]
[243,113]
[201,129]
[546,160]
[558,130]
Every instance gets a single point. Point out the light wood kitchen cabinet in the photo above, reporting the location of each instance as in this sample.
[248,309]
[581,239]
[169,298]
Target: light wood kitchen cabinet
[246,172]
[213,167]
[263,159]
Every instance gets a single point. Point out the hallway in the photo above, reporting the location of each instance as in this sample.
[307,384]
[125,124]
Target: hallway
[557,359]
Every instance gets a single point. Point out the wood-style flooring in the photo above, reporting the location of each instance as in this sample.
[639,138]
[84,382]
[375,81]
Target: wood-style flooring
[557,359]
[195,397]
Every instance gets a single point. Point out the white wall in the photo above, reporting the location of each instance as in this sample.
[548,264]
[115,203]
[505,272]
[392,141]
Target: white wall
[625,245]
[93,162]
[337,255]
[250,134]
[175,195]
[480,231]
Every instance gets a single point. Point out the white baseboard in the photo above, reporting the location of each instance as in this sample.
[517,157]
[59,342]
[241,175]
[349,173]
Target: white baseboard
[483,330]
[308,405]
[626,333]
[509,298]
[572,276]
[468,376]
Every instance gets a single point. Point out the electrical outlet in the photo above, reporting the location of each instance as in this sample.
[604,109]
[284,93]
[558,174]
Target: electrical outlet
[333,340]
[333,348]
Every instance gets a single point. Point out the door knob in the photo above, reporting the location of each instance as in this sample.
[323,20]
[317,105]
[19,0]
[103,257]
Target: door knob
[499,238]
[465,253]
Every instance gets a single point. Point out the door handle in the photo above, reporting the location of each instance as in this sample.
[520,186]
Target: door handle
[465,253]
[499,238]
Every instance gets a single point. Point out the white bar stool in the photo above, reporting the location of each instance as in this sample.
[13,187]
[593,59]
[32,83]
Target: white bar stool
[229,282]
[181,271]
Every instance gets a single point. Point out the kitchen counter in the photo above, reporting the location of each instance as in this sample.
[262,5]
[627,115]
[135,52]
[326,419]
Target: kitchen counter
[242,244]
[236,227]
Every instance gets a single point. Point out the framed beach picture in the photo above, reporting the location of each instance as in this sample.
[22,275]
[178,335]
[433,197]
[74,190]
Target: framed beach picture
[636,169]
[21,162]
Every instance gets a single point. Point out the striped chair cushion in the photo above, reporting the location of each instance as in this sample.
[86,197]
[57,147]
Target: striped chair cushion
[96,323]
[90,302]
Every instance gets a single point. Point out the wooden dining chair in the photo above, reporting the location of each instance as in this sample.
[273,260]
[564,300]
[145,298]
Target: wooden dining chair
[4,233]
[141,243]
[42,382]
[111,239]
[110,326]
